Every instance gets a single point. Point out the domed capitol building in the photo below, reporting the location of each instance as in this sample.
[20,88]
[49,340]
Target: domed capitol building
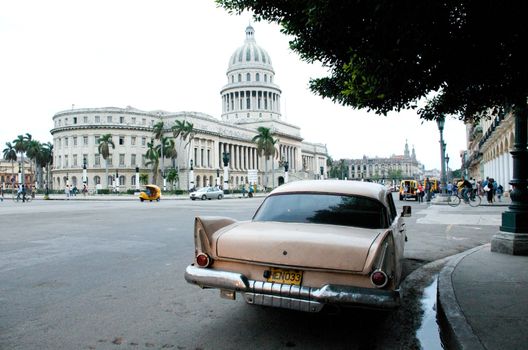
[250,99]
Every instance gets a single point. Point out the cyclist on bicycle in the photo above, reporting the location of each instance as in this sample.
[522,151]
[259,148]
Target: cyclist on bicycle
[466,188]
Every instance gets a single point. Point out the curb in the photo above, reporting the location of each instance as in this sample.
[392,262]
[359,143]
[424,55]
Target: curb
[458,333]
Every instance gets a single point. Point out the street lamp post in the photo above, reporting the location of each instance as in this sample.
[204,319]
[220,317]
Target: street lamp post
[116,182]
[137,178]
[19,174]
[85,175]
[286,166]
[225,159]
[191,176]
[441,122]
[447,167]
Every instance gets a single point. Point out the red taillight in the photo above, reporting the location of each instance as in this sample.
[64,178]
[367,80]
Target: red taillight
[203,260]
[379,278]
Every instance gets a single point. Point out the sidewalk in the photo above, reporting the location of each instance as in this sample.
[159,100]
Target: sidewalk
[483,300]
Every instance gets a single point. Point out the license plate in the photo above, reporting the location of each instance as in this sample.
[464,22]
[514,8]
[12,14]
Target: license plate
[286,276]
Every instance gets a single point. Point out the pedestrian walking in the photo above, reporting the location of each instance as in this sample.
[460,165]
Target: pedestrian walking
[490,192]
[420,193]
[428,189]
[67,191]
[500,191]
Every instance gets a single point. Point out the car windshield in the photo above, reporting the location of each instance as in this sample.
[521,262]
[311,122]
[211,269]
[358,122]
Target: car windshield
[322,208]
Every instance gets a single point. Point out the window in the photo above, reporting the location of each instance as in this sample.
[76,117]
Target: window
[208,158]
[66,141]
[133,120]
[97,180]
[65,121]
[97,119]
[257,77]
[265,78]
[323,209]
[97,139]
[133,140]
[122,120]
[121,159]
[121,140]
[85,140]
[202,160]
[132,159]
[85,120]
[97,160]
[143,141]
[74,161]
[60,161]
[74,120]
[121,180]
[144,121]
[133,180]
[109,160]
[239,78]
[109,119]
[66,161]
[75,141]
[248,77]
[85,159]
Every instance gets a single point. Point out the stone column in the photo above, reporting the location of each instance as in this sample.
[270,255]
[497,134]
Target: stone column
[513,236]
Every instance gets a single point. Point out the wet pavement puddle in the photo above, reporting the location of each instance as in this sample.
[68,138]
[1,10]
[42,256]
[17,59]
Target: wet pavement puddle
[429,332]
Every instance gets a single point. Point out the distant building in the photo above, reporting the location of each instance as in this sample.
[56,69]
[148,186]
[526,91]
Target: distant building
[488,149]
[9,173]
[384,169]
[250,99]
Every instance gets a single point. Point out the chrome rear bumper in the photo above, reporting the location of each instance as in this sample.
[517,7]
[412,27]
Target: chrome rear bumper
[289,296]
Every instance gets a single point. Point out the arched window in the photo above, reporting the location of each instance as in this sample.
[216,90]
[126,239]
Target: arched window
[248,77]
[122,180]
[265,78]
[197,182]
[97,180]
[239,77]
[110,180]
[74,181]
[257,77]
[133,180]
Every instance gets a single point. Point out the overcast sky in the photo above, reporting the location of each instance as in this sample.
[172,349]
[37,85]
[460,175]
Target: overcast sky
[173,55]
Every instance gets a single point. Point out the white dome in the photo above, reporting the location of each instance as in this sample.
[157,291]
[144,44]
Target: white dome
[250,55]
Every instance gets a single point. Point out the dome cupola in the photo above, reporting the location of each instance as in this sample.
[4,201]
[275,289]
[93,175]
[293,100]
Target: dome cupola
[250,93]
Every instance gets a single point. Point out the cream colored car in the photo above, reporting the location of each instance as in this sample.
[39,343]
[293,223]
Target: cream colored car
[310,244]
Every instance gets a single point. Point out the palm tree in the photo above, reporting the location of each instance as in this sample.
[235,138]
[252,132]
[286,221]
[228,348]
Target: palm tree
[46,159]
[20,144]
[153,156]
[10,154]
[105,142]
[172,176]
[33,150]
[158,135]
[266,147]
[143,178]
[183,130]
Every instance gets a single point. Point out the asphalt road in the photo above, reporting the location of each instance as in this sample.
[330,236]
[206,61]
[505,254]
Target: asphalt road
[109,275]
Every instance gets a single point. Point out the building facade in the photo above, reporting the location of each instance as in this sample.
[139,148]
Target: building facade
[488,149]
[250,99]
[385,169]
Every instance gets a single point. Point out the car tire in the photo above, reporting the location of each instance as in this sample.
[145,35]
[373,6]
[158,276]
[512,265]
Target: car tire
[193,198]
[219,196]
[204,197]
[141,199]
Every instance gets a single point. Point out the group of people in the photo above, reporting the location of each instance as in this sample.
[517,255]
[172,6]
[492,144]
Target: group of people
[469,188]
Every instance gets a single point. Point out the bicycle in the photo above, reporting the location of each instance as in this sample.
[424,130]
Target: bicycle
[19,197]
[454,200]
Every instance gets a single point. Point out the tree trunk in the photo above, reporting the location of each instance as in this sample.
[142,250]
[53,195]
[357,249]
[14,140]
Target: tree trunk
[106,172]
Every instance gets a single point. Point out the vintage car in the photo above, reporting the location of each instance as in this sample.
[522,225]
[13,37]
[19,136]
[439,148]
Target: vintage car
[310,244]
[207,193]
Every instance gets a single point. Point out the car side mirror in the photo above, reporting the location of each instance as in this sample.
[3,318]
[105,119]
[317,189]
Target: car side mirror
[406,212]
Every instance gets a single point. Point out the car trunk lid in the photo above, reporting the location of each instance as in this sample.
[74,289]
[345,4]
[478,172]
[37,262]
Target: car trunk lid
[298,245]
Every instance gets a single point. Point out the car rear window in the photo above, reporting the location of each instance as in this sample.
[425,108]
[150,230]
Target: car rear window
[320,208]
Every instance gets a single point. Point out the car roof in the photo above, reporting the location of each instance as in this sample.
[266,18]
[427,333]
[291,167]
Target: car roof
[346,187]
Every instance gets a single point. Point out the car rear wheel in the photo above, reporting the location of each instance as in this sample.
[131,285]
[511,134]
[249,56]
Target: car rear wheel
[219,196]
[204,197]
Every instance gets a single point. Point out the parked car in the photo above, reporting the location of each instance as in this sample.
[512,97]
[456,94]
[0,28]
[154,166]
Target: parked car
[310,244]
[207,193]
